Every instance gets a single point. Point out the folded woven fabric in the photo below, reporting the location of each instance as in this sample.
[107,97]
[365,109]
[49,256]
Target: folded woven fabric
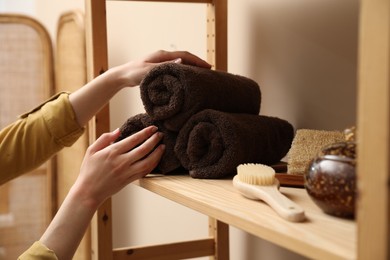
[212,143]
[172,93]
[169,161]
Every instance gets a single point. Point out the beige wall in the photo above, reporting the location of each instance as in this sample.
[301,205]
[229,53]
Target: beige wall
[301,52]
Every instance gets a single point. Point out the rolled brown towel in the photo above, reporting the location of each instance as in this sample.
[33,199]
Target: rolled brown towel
[172,93]
[212,143]
[169,162]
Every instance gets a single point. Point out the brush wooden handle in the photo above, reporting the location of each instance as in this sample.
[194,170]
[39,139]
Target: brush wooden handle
[270,194]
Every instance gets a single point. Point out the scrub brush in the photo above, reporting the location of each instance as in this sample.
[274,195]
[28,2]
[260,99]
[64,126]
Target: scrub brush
[257,181]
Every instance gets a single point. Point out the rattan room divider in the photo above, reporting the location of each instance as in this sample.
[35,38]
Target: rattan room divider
[70,75]
[27,203]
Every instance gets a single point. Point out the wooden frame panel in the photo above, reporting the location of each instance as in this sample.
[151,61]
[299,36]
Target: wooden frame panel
[374,131]
[97,58]
[373,118]
[97,63]
[26,48]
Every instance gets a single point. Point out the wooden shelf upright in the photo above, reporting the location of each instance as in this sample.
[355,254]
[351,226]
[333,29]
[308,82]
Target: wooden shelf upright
[217,244]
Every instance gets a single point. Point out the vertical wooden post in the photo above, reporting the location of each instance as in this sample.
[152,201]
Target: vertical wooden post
[220,232]
[217,34]
[97,63]
[4,202]
[217,56]
[373,130]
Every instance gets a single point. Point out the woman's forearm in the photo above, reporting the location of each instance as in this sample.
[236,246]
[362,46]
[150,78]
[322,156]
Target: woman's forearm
[92,97]
[107,168]
[68,226]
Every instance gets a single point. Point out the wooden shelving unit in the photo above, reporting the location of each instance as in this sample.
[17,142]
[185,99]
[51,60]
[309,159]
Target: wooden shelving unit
[321,236]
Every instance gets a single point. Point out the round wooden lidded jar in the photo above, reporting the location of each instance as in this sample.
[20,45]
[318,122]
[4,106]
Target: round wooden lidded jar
[331,179]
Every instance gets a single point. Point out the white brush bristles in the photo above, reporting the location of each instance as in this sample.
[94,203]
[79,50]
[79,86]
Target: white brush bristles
[256,174]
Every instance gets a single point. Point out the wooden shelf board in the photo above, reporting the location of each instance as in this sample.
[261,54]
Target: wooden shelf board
[320,237]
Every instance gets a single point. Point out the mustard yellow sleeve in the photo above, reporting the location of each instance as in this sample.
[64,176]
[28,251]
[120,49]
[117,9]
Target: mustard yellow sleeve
[38,251]
[36,136]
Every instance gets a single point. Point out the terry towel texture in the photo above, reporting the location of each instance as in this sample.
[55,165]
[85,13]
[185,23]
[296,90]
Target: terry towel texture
[212,143]
[169,161]
[172,93]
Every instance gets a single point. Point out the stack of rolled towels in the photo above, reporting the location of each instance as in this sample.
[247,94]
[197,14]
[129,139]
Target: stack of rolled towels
[210,120]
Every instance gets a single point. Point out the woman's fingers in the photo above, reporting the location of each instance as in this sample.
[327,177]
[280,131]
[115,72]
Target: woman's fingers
[190,59]
[134,140]
[132,73]
[141,160]
[145,148]
[187,58]
[103,141]
[142,167]
[108,168]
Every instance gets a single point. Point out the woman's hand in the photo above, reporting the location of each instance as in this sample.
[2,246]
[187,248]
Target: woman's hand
[132,73]
[108,167]
[88,100]
[186,58]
